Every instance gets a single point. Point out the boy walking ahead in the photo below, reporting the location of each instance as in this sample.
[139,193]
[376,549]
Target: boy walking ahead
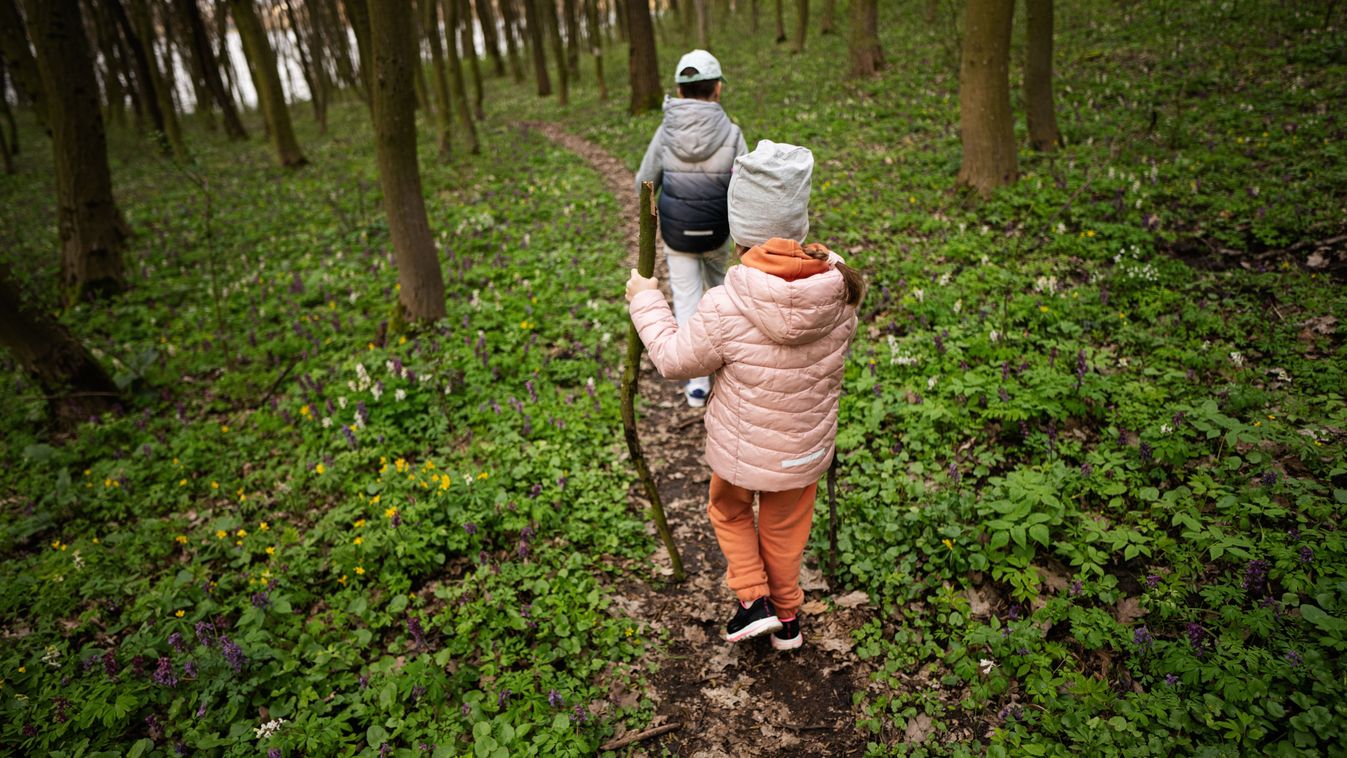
[689,160]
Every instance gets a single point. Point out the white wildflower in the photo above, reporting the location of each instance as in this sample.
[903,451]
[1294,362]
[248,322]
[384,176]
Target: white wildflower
[1061,228]
[266,730]
[376,392]
[341,402]
[994,336]
[52,657]
[1166,428]
[919,294]
[1237,358]
[930,382]
[400,395]
[353,297]
[327,422]
[986,665]
[958,305]
[392,368]
[944,279]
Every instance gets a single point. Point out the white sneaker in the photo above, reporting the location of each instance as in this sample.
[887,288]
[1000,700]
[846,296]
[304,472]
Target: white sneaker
[697,391]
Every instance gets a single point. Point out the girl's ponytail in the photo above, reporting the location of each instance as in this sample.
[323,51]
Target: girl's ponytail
[854,280]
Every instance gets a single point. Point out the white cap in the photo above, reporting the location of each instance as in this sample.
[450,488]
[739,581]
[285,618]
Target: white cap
[769,193]
[706,64]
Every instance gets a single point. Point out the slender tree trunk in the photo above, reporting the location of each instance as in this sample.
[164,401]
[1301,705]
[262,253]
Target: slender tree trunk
[19,59]
[176,47]
[533,19]
[985,122]
[319,54]
[863,46]
[595,46]
[623,26]
[468,44]
[339,43]
[267,82]
[780,21]
[490,37]
[89,224]
[419,68]
[144,24]
[753,17]
[827,23]
[420,283]
[457,92]
[703,12]
[75,385]
[430,19]
[308,68]
[1038,100]
[553,21]
[149,99]
[114,91]
[801,25]
[572,18]
[507,13]
[225,57]
[357,11]
[642,58]
[200,48]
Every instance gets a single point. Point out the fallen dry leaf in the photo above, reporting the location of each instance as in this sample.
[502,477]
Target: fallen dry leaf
[852,600]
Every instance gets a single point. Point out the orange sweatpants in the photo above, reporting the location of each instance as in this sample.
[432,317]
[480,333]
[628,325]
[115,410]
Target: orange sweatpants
[765,560]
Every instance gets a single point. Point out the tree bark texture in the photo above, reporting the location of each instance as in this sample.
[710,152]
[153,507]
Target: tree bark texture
[780,21]
[1038,99]
[572,17]
[457,92]
[19,58]
[308,66]
[703,14]
[158,82]
[863,46]
[74,383]
[985,123]
[357,11]
[147,96]
[490,36]
[511,24]
[420,283]
[642,58]
[89,224]
[533,19]
[11,139]
[828,22]
[469,47]
[267,82]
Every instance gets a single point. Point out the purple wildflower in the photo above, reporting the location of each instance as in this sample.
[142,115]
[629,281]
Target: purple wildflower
[503,698]
[175,642]
[1171,679]
[1152,581]
[138,666]
[470,528]
[261,599]
[536,490]
[1145,450]
[274,752]
[1255,577]
[363,681]
[526,533]
[1001,393]
[555,699]
[349,435]
[189,669]
[527,429]
[523,549]
[533,395]
[1306,554]
[29,730]
[1075,588]
[110,666]
[156,728]
[415,630]
[233,654]
[1142,638]
[1293,658]
[418,692]
[201,710]
[1293,533]
[580,715]
[384,750]
[1197,637]
[60,704]
[205,633]
[1086,469]
[164,675]
[1269,478]
[466,710]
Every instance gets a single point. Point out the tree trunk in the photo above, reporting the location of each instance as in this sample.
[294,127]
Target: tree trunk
[572,17]
[318,53]
[148,96]
[620,9]
[157,83]
[19,59]
[801,25]
[595,47]
[178,36]
[642,58]
[753,17]
[420,283]
[419,68]
[200,48]
[308,66]
[533,19]
[90,225]
[430,19]
[1038,100]
[114,91]
[75,385]
[781,21]
[267,82]
[490,36]
[703,13]
[985,123]
[339,44]
[457,91]
[507,13]
[224,56]
[467,44]
[11,139]
[558,51]
[828,22]
[357,11]
[867,57]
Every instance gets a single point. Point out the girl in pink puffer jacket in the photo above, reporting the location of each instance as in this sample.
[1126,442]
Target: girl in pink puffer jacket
[774,337]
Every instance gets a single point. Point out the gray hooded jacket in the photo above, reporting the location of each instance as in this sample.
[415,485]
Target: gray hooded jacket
[690,160]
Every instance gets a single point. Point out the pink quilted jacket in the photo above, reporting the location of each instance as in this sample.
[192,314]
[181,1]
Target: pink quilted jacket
[776,348]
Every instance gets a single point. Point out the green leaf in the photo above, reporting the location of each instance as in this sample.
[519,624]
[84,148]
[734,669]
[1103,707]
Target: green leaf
[140,746]
[376,735]
[1320,618]
[1039,533]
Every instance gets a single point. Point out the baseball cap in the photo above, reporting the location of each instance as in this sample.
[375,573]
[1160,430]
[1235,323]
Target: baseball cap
[705,63]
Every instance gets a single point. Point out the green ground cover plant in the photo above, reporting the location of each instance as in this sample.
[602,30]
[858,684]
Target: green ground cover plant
[1092,436]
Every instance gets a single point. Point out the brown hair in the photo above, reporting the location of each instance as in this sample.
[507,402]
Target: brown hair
[703,90]
[854,279]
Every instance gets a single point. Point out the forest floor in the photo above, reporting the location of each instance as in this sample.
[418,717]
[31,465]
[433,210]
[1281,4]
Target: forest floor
[721,696]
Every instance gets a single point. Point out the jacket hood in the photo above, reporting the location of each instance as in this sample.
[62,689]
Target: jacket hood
[790,312]
[695,129]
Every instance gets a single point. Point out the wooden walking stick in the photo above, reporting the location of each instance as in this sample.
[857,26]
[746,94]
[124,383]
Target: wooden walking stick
[645,266]
[832,518]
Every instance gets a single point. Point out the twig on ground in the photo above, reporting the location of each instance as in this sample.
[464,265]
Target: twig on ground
[656,731]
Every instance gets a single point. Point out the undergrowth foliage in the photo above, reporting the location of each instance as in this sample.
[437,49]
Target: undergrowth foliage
[1091,438]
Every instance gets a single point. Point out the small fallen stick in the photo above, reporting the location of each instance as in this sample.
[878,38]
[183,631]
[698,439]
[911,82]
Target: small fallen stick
[645,735]
[645,266]
[832,518]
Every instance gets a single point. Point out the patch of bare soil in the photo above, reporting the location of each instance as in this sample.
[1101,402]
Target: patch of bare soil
[728,700]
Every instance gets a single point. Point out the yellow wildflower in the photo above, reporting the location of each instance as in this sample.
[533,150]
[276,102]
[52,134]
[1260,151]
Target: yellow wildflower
[182,482]
[271,550]
[358,541]
[241,533]
[341,579]
[264,526]
[221,534]
[215,485]
[1043,309]
[224,429]
[320,468]
[181,539]
[484,475]
[304,410]
[180,613]
[359,523]
[948,543]
[391,511]
[360,570]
